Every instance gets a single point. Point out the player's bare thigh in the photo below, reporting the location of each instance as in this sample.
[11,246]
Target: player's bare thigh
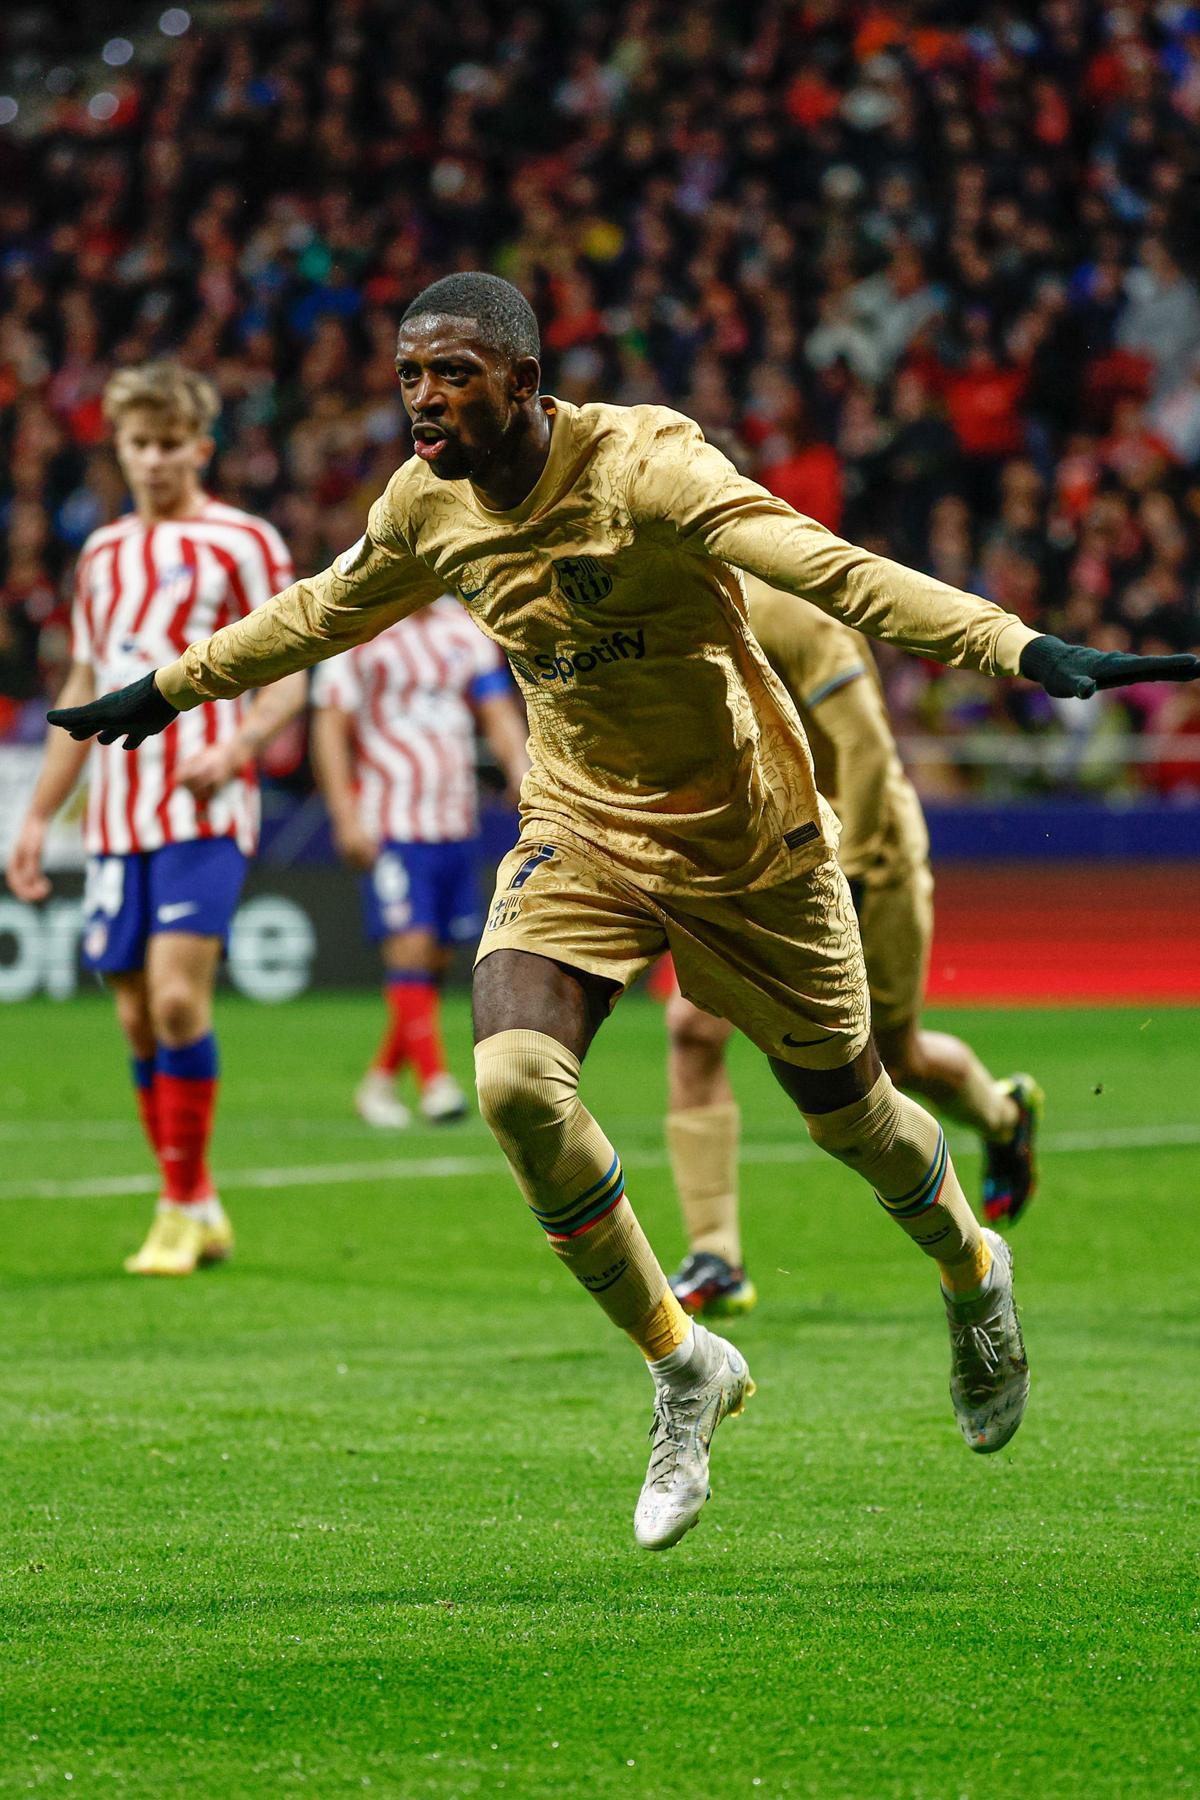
[825,1090]
[515,990]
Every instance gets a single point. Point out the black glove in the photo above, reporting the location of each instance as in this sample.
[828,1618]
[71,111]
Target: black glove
[135,713]
[858,891]
[1073,672]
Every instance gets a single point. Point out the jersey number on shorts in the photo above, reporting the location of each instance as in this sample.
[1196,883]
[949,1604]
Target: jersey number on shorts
[104,887]
[542,854]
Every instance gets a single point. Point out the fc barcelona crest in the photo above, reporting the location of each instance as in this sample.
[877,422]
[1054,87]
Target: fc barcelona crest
[583,579]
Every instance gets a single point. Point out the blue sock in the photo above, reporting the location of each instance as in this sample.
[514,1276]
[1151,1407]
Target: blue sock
[189,1062]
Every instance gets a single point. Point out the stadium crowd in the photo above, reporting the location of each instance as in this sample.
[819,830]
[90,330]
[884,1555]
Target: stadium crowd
[926,270]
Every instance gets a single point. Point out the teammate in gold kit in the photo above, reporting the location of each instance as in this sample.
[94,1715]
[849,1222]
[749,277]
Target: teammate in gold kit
[670,804]
[884,853]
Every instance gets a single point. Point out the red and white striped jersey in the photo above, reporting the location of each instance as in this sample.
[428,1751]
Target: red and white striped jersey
[142,594]
[410,691]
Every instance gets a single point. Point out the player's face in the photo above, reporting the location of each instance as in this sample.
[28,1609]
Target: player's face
[161,459]
[462,397]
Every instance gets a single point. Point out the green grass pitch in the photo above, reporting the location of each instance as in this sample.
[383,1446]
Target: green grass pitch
[354,1514]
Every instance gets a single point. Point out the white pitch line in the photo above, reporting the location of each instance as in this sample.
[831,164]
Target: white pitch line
[301,1175]
[15,1129]
[439,1168]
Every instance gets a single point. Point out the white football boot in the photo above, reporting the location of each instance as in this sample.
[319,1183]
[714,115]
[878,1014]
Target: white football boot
[685,1417]
[376,1101]
[989,1371]
[442,1100]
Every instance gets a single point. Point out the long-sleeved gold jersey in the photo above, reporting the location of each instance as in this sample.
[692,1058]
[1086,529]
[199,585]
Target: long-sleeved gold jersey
[660,738]
[831,675]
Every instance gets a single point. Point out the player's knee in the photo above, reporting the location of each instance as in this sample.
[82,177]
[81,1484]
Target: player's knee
[527,1085]
[178,1012]
[507,1099]
[863,1132]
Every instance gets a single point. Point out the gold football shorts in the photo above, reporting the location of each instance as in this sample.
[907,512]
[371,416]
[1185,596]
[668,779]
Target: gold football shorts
[784,964]
[897,928]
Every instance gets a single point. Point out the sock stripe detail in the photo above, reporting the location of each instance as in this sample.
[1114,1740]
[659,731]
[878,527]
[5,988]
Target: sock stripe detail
[602,1211]
[614,1168]
[927,1190]
[589,1208]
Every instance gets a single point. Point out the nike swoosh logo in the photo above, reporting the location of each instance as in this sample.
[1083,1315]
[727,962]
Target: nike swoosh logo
[473,593]
[801,1043]
[168,914]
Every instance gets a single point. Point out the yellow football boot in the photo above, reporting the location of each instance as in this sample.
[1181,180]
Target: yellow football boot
[178,1242]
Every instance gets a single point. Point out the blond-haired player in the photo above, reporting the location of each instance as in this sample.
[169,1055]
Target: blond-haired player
[670,804]
[884,852]
[169,828]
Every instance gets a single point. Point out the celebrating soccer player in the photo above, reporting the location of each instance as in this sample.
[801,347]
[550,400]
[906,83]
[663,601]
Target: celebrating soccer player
[671,804]
[884,853]
[394,748]
[170,827]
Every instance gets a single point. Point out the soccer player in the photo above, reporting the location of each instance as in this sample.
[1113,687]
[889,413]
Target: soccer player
[670,805]
[169,828]
[829,673]
[393,743]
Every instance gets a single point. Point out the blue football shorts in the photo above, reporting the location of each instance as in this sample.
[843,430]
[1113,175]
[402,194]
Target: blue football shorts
[424,887]
[190,887]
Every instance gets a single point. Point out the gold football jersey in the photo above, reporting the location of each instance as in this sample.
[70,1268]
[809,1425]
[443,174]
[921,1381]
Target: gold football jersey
[856,762]
[660,738]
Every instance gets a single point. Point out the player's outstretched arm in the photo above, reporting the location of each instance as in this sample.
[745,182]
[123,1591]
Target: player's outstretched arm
[368,588]
[681,484]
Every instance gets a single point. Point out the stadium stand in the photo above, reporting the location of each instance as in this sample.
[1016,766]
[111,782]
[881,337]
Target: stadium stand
[929,267]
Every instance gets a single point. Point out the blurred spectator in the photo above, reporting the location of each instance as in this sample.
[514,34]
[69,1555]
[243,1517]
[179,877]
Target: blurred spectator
[931,269]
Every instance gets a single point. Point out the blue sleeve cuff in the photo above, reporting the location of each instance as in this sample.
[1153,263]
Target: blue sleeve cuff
[485,687]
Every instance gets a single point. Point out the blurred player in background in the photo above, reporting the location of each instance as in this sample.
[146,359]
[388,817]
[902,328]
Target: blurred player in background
[394,750]
[884,852]
[168,829]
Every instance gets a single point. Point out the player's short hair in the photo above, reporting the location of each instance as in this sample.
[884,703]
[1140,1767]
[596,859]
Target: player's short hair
[500,312]
[166,388]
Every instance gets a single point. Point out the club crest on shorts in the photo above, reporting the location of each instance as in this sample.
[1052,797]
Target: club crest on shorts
[582,579]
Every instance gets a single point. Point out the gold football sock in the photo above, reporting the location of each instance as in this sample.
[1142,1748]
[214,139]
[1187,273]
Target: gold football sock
[572,1179]
[702,1142]
[895,1145]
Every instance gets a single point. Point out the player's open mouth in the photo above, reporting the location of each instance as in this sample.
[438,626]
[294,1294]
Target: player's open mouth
[429,441]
